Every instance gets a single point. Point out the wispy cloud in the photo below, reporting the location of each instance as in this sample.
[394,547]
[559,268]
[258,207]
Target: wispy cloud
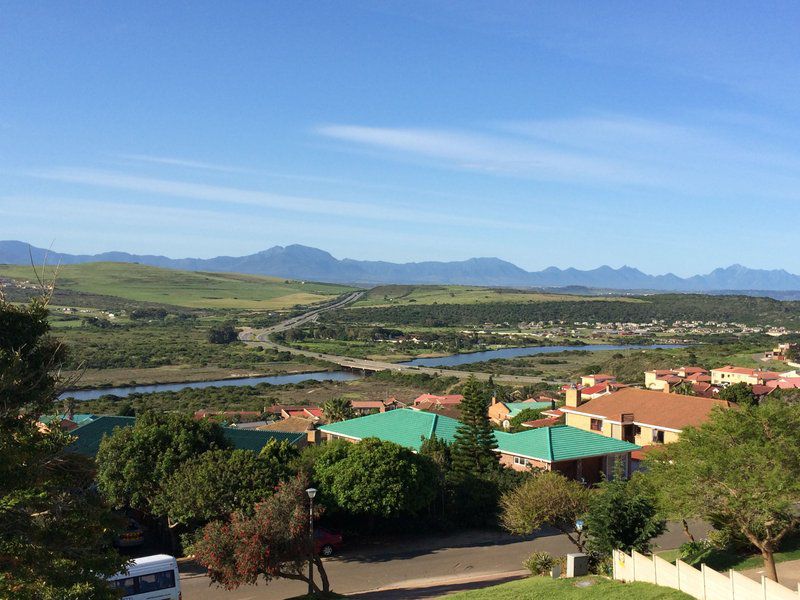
[168,188]
[488,153]
[605,151]
[183,162]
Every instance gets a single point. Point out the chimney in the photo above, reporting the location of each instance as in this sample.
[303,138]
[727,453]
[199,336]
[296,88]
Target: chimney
[494,400]
[573,397]
[667,388]
[313,436]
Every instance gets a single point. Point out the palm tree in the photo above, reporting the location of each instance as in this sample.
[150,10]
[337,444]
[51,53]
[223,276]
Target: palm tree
[338,409]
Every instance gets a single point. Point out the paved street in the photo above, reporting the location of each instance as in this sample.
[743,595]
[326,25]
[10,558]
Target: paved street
[409,565]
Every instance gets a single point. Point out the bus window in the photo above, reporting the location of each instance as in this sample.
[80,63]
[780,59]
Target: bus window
[128,586]
[153,582]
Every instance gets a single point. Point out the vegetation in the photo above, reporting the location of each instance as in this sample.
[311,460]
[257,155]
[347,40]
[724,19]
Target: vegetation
[740,393]
[192,289]
[375,479]
[586,588]
[473,452]
[547,499]
[669,307]
[623,516]
[272,543]
[338,409]
[739,470]
[225,333]
[540,563]
[55,532]
[527,414]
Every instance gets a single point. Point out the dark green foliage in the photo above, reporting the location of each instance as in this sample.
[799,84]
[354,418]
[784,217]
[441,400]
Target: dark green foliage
[623,516]
[279,458]
[670,307]
[55,533]
[224,333]
[741,393]
[473,449]
[134,462]
[215,484]
[528,414]
[338,409]
[740,470]
[376,479]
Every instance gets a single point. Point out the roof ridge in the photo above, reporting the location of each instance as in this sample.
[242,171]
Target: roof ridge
[433,425]
[550,443]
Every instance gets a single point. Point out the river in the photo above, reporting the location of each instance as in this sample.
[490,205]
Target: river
[452,360]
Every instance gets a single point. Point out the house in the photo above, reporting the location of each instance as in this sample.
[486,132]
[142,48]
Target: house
[503,411]
[66,421]
[729,375]
[304,412]
[667,379]
[89,436]
[364,407]
[642,417]
[590,380]
[575,453]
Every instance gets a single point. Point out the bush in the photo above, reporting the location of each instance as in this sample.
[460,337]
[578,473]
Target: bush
[540,563]
[694,553]
[222,334]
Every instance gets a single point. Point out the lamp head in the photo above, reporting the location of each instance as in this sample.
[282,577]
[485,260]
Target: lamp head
[311,492]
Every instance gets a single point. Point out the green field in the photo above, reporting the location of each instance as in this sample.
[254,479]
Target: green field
[584,588]
[140,283]
[399,295]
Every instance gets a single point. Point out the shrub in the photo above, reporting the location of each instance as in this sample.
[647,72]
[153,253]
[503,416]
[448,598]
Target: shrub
[694,553]
[540,563]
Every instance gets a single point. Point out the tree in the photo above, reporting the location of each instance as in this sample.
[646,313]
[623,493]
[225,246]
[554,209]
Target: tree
[684,388]
[274,542]
[338,409]
[740,393]
[376,479]
[279,458]
[55,533]
[473,450]
[134,462]
[623,515]
[224,333]
[526,414]
[740,470]
[547,499]
[214,485]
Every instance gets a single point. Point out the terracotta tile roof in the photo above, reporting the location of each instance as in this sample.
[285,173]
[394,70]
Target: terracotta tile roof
[762,390]
[367,404]
[671,411]
[542,422]
[448,399]
[752,372]
[595,389]
[294,424]
[699,378]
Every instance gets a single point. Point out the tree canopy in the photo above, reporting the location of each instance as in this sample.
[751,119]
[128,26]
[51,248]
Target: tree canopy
[546,499]
[376,478]
[134,462]
[55,532]
[740,470]
[473,448]
[338,409]
[740,393]
[273,542]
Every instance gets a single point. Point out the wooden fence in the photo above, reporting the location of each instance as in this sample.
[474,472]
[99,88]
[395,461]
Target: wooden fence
[703,584]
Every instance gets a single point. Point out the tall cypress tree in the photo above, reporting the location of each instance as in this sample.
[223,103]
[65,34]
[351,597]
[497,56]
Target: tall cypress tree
[473,448]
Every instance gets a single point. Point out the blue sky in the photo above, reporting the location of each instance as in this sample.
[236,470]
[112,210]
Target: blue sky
[659,135]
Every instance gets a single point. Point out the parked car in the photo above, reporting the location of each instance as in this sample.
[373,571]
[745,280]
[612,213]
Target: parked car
[326,543]
[132,536]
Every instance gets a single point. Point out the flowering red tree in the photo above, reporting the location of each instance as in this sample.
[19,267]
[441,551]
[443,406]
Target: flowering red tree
[273,543]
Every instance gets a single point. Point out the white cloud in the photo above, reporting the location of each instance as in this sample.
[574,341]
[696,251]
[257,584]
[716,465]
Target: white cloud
[183,162]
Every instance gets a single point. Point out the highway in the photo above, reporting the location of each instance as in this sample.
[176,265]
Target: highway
[262,338]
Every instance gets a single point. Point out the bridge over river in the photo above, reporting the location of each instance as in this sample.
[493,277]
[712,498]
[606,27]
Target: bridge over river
[262,338]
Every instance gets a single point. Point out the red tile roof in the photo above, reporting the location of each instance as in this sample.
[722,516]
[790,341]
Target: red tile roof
[448,399]
[659,409]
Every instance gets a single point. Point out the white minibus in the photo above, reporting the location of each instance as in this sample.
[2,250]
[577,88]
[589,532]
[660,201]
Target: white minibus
[150,578]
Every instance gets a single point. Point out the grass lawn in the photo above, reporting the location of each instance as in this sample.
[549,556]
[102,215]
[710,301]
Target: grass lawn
[722,560]
[394,295]
[183,288]
[596,588]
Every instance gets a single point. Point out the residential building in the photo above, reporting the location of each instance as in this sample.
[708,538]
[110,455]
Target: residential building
[729,375]
[433,399]
[642,417]
[594,379]
[503,411]
[575,453]
[89,435]
[668,379]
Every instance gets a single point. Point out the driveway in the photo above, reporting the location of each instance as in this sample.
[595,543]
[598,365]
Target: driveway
[414,567]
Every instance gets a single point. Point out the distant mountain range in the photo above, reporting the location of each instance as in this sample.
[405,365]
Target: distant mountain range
[303,262]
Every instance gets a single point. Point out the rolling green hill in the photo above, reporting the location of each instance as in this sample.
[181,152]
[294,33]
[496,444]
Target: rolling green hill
[188,289]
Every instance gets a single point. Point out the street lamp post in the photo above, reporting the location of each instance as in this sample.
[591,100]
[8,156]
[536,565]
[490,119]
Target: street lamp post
[311,493]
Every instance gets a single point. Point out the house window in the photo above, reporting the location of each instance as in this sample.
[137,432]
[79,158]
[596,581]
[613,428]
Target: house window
[658,436]
[518,460]
[596,425]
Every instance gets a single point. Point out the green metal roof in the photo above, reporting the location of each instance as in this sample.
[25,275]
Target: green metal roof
[560,442]
[77,418]
[91,434]
[514,408]
[407,427]
[404,426]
